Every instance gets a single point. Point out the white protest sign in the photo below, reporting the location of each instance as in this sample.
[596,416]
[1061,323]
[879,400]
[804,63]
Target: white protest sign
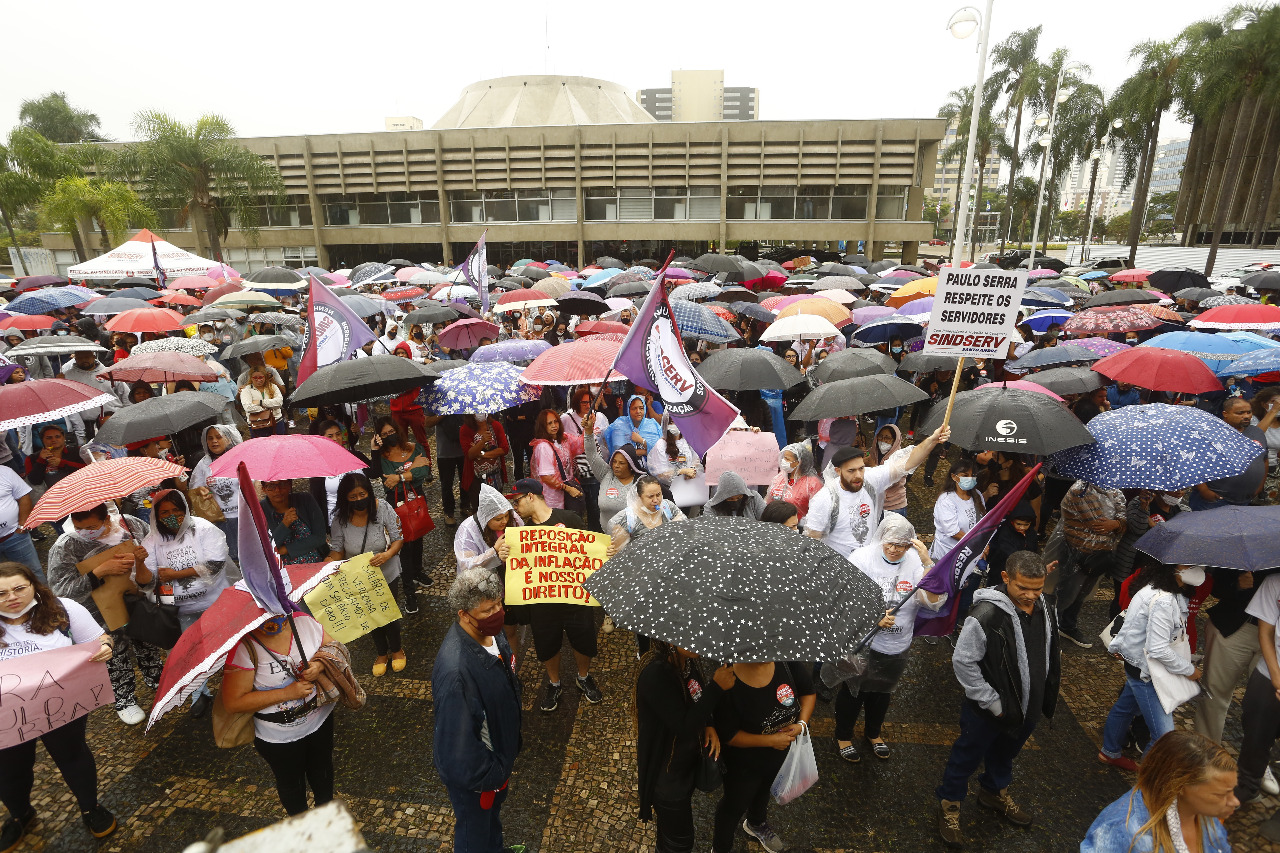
[975,312]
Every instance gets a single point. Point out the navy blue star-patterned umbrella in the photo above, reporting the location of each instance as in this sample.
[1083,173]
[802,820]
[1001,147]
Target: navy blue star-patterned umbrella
[737,590]
[1158,446]
[1229,537]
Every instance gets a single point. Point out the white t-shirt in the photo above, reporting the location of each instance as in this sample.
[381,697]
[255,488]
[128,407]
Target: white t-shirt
[20,640]
[951,514]
[571,422]
[270,676]
[1265,606]
[894,581]
[201,542]
[12,489]
[859,513]
[225,490]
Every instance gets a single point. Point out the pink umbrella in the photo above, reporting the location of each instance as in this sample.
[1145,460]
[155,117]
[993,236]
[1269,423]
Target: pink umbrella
[573,363]
[680,272]
[600,327]
[193,282]
[222,271]
[784,301]
[1042,272]
[1022,385]
[1134,275]
[862,316]
[287,457]
[465,334]
[406,273]
[908,274]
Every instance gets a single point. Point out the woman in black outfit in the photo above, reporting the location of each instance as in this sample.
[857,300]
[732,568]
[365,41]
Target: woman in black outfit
[673,719]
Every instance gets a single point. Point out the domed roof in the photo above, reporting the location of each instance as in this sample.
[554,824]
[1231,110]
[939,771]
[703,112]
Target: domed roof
[538,100]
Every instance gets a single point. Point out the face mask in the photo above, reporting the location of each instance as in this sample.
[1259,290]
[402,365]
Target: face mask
[491,625]
[362,505]
[1130,341]
[171,522]
[894,562]
[884,446]
[207,336]
[1191,576]
[93,535]
[62,331]
[968,483]
[391,333]
[786,466]
[31,605]
[537,327]
[481,418]
[895,349]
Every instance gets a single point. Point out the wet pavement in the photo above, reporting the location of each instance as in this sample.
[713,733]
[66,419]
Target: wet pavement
[574,784]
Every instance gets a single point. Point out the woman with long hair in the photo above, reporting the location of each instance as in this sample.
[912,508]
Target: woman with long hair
[33,620]
[405,469]
[56,458]
[485,447]
[263,403]
[957,510]
[1184,793]
[551,455]
[572,421]
[480,544]
[217,440]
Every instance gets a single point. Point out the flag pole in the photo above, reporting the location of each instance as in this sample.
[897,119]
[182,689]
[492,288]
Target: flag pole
[955,386]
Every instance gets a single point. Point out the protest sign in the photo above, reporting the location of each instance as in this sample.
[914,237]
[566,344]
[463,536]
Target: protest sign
[754,455]
[41,691]
[354,600]
[547,565]
[690,492]
[975,312]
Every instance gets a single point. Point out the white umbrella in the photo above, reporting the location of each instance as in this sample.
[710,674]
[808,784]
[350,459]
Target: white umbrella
[802,327]
[617,303]
[427,277]
[138,257]
[844,297]
[189,346]
[457,291]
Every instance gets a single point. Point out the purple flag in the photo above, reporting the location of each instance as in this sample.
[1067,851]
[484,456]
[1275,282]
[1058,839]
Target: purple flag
[161,278]
[949,572]
[476,270]
[653,357]
[259,562]
[333,331]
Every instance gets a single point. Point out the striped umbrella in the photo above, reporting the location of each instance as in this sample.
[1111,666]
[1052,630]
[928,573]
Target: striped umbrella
[100,482]
[584,361]
[403,294]
[50,299]
[160,367]
[40,400]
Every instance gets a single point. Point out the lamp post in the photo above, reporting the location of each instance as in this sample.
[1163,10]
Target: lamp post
[1046,121]
[1095,155]
[962,25]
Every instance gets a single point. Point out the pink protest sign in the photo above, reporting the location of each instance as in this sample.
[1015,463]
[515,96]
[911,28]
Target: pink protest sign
[40,692]
[754,455]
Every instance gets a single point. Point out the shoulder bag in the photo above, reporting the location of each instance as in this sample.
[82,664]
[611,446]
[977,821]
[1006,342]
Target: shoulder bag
[572,504]
[233,729]
[1173,689]
[415,515]
[150,621]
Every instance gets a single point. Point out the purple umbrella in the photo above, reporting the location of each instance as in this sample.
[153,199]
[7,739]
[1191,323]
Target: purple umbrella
[511,350]
[907,274]
[862,316]
[1100,346]
[919,307]
[680,272]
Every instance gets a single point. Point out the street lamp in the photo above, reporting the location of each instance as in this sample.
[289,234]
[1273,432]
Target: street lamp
[1046,121]
[1095,155]
[963,24]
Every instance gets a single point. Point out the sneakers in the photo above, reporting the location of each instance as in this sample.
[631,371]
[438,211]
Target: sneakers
[768,839]
[99,821]
[607,627]
[949,824]
[1003,804]
[587,684]
[550,697]
[423,584]
[13,831]
[1075,636]
[1269,784]
[410,604]
[131,714]
[1123,763]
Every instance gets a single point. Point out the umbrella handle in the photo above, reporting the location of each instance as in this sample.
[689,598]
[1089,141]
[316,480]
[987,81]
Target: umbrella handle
[955,386]
[301,651]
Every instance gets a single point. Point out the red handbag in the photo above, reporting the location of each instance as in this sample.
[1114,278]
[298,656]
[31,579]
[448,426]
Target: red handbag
[415,515]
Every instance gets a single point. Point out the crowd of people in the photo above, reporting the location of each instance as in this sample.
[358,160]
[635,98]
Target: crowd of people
[604,457]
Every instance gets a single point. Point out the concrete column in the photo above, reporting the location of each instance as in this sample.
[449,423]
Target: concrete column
[580,203]
[910,251]
[724,188]
[877,248]
[445,246]
[317,209]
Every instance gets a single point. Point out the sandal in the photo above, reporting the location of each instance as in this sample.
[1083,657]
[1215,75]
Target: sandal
[849,753]
[880,749]
[399,661]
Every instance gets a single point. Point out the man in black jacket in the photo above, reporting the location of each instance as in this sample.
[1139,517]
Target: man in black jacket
[1007,661]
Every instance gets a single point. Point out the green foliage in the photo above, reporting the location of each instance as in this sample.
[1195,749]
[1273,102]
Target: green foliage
[55,119]
[1118,226]
[113,205]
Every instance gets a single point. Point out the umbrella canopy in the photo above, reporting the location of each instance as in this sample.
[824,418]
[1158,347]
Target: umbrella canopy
[1131,276]
[1230,537]
[50,299]
[177,299]
[1239,317]
[856,396]
[697,290]
[1010,420]
[607,262]
[478,388]
[1067,380]
[98,483]
[362,304]
[431,314]
[1045,297]
[913,290]
[193,282]
[1042,320]
[600,327]
[803,327]
[1254,363]
[510,350]
[1230,299]
[1160,370]
[754,311]
[213,294]
[138,256]
[518,300]
[1157,446]
[884,329]
[746,591]
[455,293]
[1107,319]
[832,312]
[714,263]
[146,294]
[1265,280]
[1216,351]
[850,363]
[159,367]
[921,362]
[161,416]
[695,320]
[53,345]
[1121,297]
[208,315]
[27,322]
[583,303]
[1100,347]
[277,318]
[581,362]
[839,282]
[630,288]
[361,379]
[287,457]
[1178,278]
[741,369]
[1053,356]
[115,305]
[33,281]
[256,343]
[244,299]
[466,334]
[1019,385]
[369,272]
[399,295]
[39,400]
[188,346]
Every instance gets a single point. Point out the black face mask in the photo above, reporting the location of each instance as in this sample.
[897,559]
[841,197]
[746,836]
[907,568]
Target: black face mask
[362,505]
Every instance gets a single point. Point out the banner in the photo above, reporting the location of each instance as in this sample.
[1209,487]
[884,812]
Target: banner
[259,562]
[476,271]
[754,455]
[333,331]
[547,565]
[354,600]
[44,690]
[975,312]
[652,356]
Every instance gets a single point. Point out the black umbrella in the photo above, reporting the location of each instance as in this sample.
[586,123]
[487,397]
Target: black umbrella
[924,362]
[857,261]
[610,263]
[849,363]
[1055,356]
[535,273]
[361,379]
[256,343]
[494,271]
[1196,294]
[136,292]
[1177,278]
[856,396]
[161,416]
[1121,297]
[136,281]
[435,368]
[754,311]
[741,369]
[274,275]
[1011,420]
[631,288]
[879,266]
[712,262]
[911,268]
[1067,380]
[649,262]
[505,285]
[116,305]
[736,590]
[1265,280]
[209,314]
[431,314]
[364,306]
[582,302]
[401,263]
[518,280]
[836,269]
[1231,537]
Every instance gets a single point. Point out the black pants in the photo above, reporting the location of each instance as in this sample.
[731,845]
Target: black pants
[1260,719]
[749,776]
[935,456]
[674,823]
[450,468]
[294,764]
[591,492]
[386,638]
[410,568]
[1055,489]
[67,747]
[849,706]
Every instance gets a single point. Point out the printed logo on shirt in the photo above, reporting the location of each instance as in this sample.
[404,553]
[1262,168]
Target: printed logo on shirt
[695,689]
[786,696]
[611,493]
[905,586]
[864,510]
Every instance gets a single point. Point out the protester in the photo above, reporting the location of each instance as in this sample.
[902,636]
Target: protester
[797,480]
[1241,489]
[957,510]
[479,543]
[573,422]
[450,460]
[634,428]
[1231,650]
[485,444]
[475,693]
[15,506]
[888,441]
[782,512]
[55,460]
[1093,521]
[734,497]
[325,489]
[405,468]
[296,523]
[1009,633]
[551,462]
[217,440]
[617,478]
[646,510]
[1260,709]
[263,401]
[1145,510]
[674,457]
[1015,533]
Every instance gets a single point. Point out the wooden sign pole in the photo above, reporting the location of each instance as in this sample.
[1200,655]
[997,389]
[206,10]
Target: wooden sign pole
[955,386]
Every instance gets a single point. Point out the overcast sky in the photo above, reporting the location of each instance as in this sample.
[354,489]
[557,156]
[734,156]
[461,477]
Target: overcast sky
[284,68]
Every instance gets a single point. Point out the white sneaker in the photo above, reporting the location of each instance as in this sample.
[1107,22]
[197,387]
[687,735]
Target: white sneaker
[132,715]
[607,627]
[1269,783]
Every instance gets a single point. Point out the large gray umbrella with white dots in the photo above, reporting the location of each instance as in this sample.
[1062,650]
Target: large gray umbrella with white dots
[737,590]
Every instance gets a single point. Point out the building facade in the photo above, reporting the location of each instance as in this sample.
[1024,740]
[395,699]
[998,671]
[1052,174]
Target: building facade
[1171,156]
[1110,196]
[700,96]
[946,174]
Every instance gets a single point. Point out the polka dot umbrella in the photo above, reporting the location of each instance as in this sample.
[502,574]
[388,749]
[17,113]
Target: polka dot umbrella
[737,590]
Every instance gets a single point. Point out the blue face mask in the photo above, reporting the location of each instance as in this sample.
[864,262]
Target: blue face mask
[968,483]
[895,349]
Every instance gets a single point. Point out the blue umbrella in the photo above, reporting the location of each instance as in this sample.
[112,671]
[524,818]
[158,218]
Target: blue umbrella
[1045,297]
[1230,537]
[1091,275]
[1258,341]
[477,388]
[893,326]
[1216,351]
[1042,320]
[50,299]
[754,311]
[601,277]
[698,321]
[1157,446]
[510,350]
[1252,364]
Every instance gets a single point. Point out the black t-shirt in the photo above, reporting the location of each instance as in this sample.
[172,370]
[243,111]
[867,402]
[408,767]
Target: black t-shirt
[563,518]
[1033,635]
[765,710]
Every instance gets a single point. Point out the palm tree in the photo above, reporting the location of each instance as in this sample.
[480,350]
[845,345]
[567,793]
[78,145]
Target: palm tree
[29,165]
[1022,195]
[959,108]
[56,120]
[1065,142]
[1017,74]
[112,205]
[201,172]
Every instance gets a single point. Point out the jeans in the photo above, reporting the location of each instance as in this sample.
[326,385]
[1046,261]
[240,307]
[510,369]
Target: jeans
[981,741]
[1260,719]
[20,549]
[749,775]
[294,764]
[1138,697]
[231,529]
[67,747]
[1077,576]
[476,829]
[450,468]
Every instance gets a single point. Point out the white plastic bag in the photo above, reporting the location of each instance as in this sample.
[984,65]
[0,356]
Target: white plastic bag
[799,771]
[1173,689]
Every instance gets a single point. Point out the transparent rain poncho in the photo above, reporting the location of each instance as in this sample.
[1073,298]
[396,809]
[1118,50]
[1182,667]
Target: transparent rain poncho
[469,546]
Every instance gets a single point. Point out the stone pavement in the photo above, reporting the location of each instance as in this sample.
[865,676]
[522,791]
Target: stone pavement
[574,785]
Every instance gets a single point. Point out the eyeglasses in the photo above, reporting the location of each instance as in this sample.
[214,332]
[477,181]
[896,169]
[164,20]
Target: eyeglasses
[16,592]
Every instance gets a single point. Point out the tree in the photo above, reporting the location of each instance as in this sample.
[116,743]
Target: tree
[959,108]
[936,212]
[201,172]
[56,120]
[112,205]
[1017,75]
[1118,225]
[1071,222]
[29,165]
[1022,195]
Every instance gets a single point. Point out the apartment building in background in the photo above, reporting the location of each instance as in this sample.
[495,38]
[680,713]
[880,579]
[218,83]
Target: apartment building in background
[700,96]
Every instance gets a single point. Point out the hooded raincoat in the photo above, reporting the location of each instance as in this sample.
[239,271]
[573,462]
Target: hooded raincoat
[800,485]
[895,494]
[619,432]
[225,490]
[196,544]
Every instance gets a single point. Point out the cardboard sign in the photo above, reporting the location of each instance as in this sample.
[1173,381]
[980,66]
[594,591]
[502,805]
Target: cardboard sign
[691,492]
[975,312]
[354,600]
[753,455]
[41,691]
[547,565]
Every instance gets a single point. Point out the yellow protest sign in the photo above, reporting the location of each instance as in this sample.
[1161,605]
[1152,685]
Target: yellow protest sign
[547,565]
[354,600]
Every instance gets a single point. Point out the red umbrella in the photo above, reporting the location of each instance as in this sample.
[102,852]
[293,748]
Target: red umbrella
[1023,385]
[1134,275]
[40,400]
[465,334]
[600,327]
[160,367]
[1110,318]
[98,483]
[172,298]
[404,294]
[193,282]
[518,300]
[1159,369]
[721,311]
[27,322]
[287,457]
[221,290]
[573,363]
[1239,317]
[139,320]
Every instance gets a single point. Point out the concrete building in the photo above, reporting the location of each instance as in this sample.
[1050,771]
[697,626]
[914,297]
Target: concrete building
[700,96]
[394,123]
[547,187]
[1110,196]
[1166,177]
